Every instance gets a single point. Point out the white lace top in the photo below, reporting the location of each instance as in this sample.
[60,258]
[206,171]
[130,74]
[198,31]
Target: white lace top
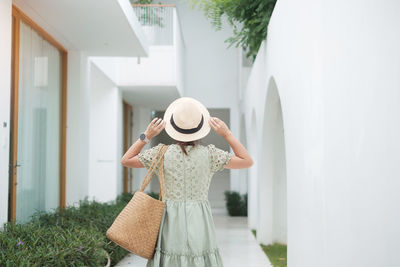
[187,177]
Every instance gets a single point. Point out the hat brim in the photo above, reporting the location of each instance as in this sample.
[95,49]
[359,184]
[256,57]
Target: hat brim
[204,130]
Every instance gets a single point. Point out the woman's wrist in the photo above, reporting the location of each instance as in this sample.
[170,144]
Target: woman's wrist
[227,134]
[148,136]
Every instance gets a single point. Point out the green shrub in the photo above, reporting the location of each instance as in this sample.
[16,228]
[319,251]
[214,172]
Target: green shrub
[154,195]
[73,236]
[33,244]
[235,203]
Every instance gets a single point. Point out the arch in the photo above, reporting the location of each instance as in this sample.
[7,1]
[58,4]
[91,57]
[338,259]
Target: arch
[272,187]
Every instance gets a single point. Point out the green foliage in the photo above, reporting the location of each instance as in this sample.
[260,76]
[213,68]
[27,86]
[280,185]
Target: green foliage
[150,15]
[236,204]
[143,2]
[74,236]
[154,195]
[254,231]
[277,254]
[34,244]
[249,19]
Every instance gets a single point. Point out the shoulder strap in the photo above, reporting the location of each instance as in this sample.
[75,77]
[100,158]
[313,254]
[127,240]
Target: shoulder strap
[150,172]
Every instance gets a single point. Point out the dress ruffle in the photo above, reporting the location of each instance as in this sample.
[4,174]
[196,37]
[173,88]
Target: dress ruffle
[187,236]
[164,258]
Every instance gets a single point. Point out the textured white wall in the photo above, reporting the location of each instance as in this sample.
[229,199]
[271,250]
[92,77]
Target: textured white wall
[5,85]
[336,72]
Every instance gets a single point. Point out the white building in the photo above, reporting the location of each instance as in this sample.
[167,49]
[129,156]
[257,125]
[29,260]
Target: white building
[323,106]
[319,114]
[86,79]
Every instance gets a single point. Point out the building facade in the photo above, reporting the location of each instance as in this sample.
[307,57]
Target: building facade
[322,105]
[81,81]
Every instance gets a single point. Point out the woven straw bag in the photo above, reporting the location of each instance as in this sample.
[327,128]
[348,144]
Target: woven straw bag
[136,228]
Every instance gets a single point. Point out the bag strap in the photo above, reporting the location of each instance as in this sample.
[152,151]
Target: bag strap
[153,163]
[161,176]
[150,173]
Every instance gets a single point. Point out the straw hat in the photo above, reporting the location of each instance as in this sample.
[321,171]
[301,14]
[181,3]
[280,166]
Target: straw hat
[186,119]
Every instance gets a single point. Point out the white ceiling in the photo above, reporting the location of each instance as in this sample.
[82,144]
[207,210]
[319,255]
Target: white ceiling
[98,27]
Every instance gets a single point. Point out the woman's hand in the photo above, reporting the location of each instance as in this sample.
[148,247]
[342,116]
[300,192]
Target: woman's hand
[219,126]
[155,127]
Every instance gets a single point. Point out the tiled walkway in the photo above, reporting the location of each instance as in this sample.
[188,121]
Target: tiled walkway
[236,242]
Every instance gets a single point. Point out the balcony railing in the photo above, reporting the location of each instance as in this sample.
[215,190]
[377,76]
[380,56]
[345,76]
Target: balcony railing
[159,21]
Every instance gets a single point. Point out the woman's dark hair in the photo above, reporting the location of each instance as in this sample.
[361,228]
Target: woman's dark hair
[184,144]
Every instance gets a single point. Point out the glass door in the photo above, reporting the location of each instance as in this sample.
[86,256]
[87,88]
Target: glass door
[38,138]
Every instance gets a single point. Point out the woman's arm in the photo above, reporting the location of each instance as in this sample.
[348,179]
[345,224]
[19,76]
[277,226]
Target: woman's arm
[130,158]
[242,158]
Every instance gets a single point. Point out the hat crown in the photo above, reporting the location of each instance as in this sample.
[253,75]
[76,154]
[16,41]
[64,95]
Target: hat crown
[187,116]
[187,119]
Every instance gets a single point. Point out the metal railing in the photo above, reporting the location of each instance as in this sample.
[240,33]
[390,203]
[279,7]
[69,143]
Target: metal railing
[157,22]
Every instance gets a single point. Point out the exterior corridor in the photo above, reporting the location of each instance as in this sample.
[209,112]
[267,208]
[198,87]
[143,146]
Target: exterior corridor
[237,244]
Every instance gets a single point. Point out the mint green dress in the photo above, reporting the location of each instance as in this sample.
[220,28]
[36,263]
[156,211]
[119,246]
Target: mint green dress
[187,234]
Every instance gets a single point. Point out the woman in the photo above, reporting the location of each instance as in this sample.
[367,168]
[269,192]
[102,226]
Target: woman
[187,234]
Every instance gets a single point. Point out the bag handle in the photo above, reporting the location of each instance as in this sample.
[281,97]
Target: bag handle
[153,163]
[150,173]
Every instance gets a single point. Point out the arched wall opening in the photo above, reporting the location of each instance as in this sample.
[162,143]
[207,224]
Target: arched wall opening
[272,188]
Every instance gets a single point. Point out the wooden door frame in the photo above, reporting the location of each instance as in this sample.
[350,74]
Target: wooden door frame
[17,17]
[127,110]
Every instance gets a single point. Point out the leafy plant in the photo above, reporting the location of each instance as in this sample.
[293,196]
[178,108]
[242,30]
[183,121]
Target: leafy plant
[235,203]
[74,236]
[249,18]
[34,244]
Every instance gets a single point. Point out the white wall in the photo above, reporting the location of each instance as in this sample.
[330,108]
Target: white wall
[141,119]
[336,72]
[159,68]
[104,137]
[242,183]
[5,85]
[94,132]
[77,146]
[211,70]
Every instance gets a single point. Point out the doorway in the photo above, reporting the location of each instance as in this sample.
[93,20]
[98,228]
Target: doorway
[128,140]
